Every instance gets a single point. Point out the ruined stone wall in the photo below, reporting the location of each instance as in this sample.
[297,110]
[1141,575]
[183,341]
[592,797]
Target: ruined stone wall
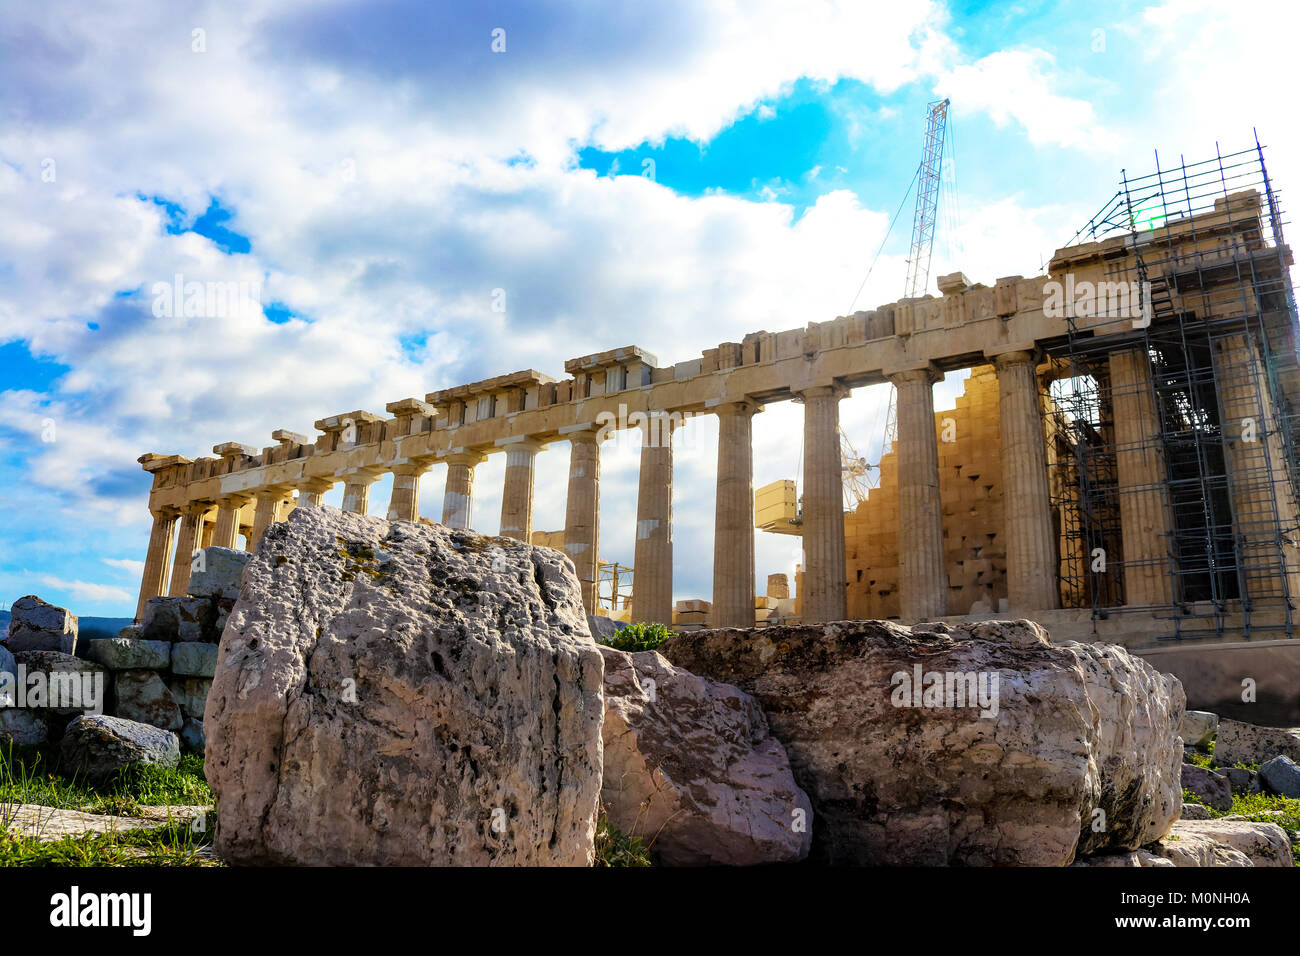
[970,486]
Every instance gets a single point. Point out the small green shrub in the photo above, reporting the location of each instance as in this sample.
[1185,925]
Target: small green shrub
[615,848]
[639,637]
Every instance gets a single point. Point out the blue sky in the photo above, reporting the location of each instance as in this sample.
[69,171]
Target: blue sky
[372,173]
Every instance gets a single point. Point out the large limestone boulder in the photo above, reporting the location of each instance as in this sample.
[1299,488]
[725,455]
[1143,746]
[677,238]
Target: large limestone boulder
[180,619]
[95,746]
[1239,742]
[1264,844]
[691,768]
[143,696]
[399,694]
[218,572]
[1077,751]
[1214,789]
[1198,727]
[1184,847]
[35,625]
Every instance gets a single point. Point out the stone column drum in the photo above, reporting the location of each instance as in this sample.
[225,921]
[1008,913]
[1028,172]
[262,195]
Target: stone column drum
[517,493]
[154,582]
[824,579]
[458,498]
[733,530]
[582,512]
[922,570]
[652,597]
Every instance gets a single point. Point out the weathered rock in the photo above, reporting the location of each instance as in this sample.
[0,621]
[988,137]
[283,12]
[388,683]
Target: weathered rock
[1213,788]
[142,696]
[1242,780]
[1194,811]
[21,726]
[603,628]
[46,824]
[1264,844]
[1133,858]
[191,694]
[124,653]
[1198,727]
[1077,728]
[1239,742]
[7,663]
[405,694]
[217,573]
[1280,776]
[192,739]
[35,625]
[70,685]
[96,746]
[179,619]
[194,659]
[132,632]
[691,767]
[1182,847]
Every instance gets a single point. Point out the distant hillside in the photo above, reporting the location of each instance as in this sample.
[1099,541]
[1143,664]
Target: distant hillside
[87,627]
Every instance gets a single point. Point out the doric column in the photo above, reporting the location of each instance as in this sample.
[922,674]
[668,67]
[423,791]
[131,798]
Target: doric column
[154,581]
[582,512]
[517,493]
[404,505]
[190,540]
[226,534]
[1026,502]
[1141,478]
[209,528]
[824,578]
[458,499]
[733,529]
[268,507]
[922,570]
[311,491]
[356,491]
[652,594]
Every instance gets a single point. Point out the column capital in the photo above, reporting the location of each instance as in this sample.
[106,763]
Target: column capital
[1024,355]
[198,507]
[833,390]
[927,374]
[743,406]
[316,486]
[521,443]
[469,457]
[585,431]
[165,512]
[235,499]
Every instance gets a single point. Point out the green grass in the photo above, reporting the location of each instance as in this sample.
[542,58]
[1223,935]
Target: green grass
[639,637]
[1201,760]
[1253,806]
[175,844]
[615,848]
[37,775]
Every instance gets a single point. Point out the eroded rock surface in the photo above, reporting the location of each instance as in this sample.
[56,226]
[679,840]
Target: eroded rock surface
[691,767]
[1082,755]
[402,694]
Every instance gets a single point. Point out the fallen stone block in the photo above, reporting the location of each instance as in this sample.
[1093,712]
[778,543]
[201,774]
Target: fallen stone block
[404,694]
[1198,727]
[691,768]
[194,659]
[98,746]
[1194,811]
[1131,859]
[142,696]
[1264,844]
[67,685]
[1214,789]
[23,726]
[124,653]
[1239,742]
[1242,780]
[603,628]
[217,573]
[1281,776]
[179,619]
[7,663]
[191,694]
[1076,751]
[1185,848]
[35,625]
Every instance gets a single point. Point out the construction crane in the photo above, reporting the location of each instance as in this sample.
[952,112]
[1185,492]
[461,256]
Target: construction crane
[923,224]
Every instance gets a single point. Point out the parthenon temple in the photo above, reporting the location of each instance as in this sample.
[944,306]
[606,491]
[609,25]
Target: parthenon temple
[1125,447]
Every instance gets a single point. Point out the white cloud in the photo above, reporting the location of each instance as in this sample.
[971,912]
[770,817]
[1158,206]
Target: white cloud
[133,568]
[86,590]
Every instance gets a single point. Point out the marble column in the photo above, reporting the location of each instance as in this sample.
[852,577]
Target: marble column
[922,570]
[1026,501]
[652,594]
[733,529]
[458,499]
[517,493]
[226,534]
[404,505]
[311,491]
[268,506]
[825,581]
[190,541]
[1142,481]
[582,512]
[356,492]
[154,581]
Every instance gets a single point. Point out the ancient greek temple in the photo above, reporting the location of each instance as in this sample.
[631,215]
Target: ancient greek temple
[1145,393]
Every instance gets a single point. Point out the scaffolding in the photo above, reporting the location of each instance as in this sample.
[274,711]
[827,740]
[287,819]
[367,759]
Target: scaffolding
[1202,453]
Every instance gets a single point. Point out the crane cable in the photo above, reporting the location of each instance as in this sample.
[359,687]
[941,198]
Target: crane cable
[884,240]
